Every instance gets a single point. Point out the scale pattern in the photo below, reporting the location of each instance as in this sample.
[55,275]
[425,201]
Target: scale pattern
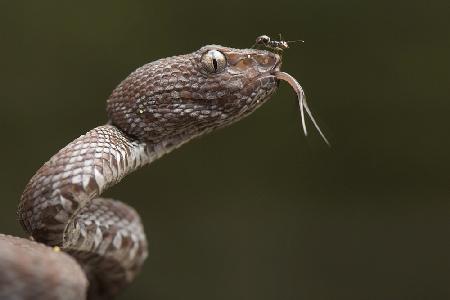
[32,277]
[159,107]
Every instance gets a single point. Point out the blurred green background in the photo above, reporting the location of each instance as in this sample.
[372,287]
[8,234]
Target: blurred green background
[256,210]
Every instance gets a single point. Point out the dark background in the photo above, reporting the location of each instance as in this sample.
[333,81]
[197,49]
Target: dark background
[257,211]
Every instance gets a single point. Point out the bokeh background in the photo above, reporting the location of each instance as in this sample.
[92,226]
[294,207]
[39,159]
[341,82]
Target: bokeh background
[256,210]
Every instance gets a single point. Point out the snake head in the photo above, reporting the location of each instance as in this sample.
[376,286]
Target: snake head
[180,97]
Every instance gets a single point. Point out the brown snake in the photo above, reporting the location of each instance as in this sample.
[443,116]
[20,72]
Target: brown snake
[156,109]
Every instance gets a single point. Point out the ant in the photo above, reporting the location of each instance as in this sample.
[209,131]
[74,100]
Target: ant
[277,46]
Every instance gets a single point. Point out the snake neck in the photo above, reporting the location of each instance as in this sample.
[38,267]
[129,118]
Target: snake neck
[80,172]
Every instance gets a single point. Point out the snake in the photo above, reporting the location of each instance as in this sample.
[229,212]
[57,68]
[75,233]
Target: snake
[82,246]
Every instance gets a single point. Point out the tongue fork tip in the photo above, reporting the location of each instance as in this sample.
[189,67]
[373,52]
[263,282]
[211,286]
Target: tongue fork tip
[302,102]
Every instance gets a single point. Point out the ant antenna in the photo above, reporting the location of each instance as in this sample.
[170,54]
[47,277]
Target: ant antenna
[295,41]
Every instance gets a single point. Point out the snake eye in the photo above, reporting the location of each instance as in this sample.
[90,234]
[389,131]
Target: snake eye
[214,61]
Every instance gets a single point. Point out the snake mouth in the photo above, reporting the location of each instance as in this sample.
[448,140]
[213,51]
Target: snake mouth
[276,68]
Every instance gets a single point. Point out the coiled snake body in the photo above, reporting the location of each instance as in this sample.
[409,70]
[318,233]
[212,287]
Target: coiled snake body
[154,110]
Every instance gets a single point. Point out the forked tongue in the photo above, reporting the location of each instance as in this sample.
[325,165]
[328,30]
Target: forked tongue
[302,102]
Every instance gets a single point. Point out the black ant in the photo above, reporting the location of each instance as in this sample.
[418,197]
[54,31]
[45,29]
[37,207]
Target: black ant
[277,46]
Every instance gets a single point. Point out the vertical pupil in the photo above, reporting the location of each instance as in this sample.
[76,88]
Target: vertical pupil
[215,64]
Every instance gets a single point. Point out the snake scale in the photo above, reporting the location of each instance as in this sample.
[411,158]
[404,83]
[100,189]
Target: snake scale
[97,245]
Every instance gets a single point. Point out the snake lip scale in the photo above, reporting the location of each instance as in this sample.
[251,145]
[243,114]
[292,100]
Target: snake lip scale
[157,108]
